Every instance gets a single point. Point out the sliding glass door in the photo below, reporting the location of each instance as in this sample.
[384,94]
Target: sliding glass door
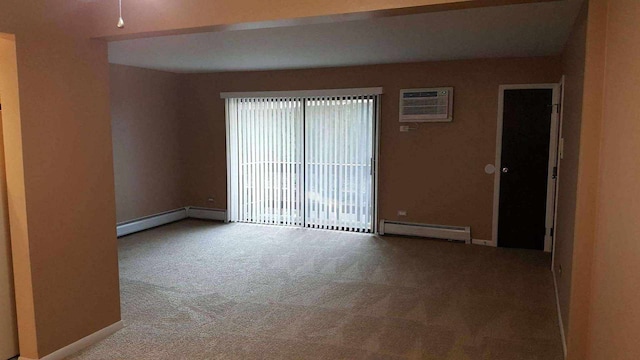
[339,134]
[302,161]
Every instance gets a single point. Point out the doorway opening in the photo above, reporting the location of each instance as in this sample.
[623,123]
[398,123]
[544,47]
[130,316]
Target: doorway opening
[304,161]
[527,163]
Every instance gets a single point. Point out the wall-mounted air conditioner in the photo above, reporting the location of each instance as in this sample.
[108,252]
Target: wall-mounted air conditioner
[426,105]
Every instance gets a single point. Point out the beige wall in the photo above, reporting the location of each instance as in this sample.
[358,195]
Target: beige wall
[587,184]
[8,324]
[68,172]
[147,143]
[573,68]
[600,292]
[59,163]
[59,154]
[615,308]
[435,173]
[60,173]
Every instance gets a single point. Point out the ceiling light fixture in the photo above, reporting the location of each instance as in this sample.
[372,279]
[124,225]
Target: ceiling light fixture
[120,24]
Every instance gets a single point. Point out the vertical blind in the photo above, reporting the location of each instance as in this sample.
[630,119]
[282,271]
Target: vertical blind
[339,159]
[302,161]
[265,138]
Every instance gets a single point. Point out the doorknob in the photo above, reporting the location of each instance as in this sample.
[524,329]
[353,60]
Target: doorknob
[505,170]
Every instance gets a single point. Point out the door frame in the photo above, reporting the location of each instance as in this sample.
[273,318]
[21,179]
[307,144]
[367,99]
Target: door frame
[376,163]
[559,157]
[553,151]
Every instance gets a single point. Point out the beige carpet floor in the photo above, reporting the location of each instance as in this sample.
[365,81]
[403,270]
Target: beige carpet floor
[203,290]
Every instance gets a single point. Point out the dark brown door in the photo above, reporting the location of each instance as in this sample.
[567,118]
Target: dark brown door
[526,131]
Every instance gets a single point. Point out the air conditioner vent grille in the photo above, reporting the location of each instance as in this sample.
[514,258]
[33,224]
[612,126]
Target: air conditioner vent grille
[426,105]
[413,102]
[424,110]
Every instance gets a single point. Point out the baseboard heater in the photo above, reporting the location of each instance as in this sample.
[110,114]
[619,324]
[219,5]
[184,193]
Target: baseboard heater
[151,221]
[195,212]
[458,233]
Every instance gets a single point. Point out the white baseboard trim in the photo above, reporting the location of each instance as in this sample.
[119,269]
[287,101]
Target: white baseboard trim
[206,213]
[150,221]
[483,242]
[80,344]
[564,339]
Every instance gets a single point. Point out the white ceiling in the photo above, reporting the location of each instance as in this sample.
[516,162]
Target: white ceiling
[535,29]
